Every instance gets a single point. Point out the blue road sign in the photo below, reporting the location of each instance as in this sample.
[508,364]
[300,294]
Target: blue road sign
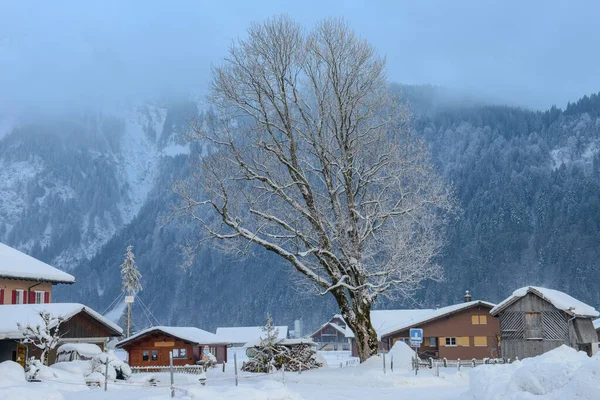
[416,336]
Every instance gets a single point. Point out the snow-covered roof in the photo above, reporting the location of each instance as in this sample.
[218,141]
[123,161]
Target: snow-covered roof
[18,265]
[383,320]
[283,342]
[426,316]
[187,333]
[333,325]
[25,314]
[558,299]
[88,350]
[245,334]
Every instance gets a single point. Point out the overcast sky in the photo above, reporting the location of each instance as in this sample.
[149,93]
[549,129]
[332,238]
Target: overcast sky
[64,53]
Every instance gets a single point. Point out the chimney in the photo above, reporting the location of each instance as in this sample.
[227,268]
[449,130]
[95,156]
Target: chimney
[468,297]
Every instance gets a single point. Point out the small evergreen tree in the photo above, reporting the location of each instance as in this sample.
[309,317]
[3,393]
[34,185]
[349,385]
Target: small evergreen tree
[130,274]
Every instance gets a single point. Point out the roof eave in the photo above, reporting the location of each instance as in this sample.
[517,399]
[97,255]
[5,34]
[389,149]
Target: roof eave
[22,278]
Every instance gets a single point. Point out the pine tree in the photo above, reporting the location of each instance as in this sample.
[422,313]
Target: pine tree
[130,276]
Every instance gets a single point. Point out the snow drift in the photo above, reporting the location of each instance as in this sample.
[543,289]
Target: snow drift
[562,373]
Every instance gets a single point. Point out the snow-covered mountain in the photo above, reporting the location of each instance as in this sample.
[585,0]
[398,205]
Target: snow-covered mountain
[76,191]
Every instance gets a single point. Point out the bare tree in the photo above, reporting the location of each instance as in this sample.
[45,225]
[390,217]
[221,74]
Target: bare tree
[312,158]
[44,336]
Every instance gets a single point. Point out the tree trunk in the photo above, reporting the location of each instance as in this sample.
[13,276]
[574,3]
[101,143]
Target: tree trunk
[356,311]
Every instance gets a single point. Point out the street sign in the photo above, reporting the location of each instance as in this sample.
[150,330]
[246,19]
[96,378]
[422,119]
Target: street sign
[416,337]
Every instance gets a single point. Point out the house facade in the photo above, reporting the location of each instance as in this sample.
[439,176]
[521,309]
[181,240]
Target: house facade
[332,335]
[80,324]
[464,331]
[26,280]
[189,345]
[535,320]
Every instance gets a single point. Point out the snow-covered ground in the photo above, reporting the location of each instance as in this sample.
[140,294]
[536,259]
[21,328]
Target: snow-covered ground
[560,374]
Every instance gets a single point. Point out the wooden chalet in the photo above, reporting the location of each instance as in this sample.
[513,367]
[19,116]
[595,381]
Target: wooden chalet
[26,280]
[151,347]
[332,335]
[463,330]
[80,324]
[534,320]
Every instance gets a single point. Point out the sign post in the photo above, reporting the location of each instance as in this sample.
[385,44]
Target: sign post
[416,339]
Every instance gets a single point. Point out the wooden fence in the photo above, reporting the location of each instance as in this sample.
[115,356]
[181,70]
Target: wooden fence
[445,363]
[185,369]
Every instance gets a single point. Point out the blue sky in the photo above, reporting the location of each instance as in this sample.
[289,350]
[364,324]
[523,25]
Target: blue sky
[64,53]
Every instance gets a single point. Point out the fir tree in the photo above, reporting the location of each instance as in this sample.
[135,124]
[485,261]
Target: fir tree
[130,274]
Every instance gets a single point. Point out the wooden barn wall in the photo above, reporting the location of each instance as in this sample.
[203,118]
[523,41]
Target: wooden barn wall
[514,344]
[83,326]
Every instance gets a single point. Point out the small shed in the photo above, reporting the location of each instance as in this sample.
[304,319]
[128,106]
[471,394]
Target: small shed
[151,347]
[534,320]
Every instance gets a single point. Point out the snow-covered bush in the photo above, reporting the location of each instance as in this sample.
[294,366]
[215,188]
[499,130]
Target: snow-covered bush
[117,369]
[44,336]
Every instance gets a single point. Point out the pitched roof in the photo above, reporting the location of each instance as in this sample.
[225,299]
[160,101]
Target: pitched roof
[29,314]
[426,316]
[560,300]
[187,333]
[17,265]
[245,334]
[333,325]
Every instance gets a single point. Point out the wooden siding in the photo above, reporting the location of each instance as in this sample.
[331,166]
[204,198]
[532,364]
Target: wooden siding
[522,337]
[162,344]
[459,325]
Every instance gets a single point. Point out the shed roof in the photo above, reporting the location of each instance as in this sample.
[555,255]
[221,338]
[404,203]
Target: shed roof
[187,333]
[17,265]
[29,314]
[426,316]
[558,299]
[245,334]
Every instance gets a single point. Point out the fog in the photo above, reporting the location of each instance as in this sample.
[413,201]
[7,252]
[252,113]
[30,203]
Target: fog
[56,55]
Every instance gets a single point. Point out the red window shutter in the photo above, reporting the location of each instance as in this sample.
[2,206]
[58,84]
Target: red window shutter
[31,297]
[1,296]
[46,297]
[14,297]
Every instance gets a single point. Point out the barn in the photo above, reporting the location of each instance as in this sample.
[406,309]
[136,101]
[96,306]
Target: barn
[151,347]
[534,320]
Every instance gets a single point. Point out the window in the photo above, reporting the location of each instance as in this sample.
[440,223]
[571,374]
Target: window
[39,297]
[175,353]
[479,319]
[19,297]
[533,325]
[431,342]
[145,355]
[182,353]
[480,341]
[154,355]
[450,341]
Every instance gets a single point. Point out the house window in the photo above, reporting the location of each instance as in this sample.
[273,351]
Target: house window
[39,297]
[154,355]
[479,319]
[431,342]
[533,325]
[450,341]
[480,341]
[145,355]
[179,353]
[20,296]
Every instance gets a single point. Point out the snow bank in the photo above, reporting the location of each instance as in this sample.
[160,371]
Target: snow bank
[27,393]
[11,374]
[86,350]
[269,390]
[402,354]
[562,373]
